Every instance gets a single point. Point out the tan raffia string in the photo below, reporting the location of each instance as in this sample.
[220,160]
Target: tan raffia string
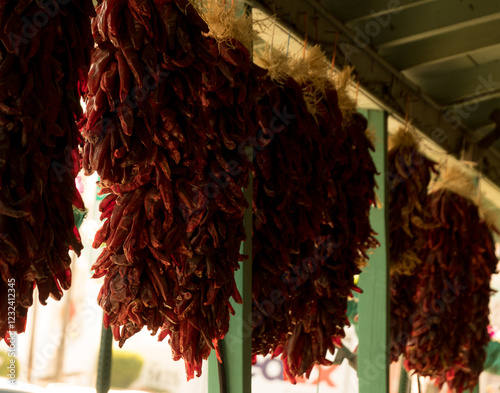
[224,25]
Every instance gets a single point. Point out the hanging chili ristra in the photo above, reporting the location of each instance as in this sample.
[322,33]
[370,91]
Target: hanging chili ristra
[163,126]
[311,227]
[449,327]
[42,77]
[408,177]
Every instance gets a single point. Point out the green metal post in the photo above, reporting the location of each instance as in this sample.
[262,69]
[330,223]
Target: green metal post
[374,306]
[213,375]
[403,380]
[105,360]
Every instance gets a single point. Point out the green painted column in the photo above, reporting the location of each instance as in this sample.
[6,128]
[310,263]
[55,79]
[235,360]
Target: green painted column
[374,305]
[403,380]
[105,361]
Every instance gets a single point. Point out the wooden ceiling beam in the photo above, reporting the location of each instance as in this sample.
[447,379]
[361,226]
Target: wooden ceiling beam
[463,87]
[476,116]
[443,46]
[426,20]
[361,9]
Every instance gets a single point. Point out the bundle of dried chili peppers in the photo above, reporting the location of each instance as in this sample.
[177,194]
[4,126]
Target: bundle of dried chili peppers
[449,326]
[166,123]
[281,203]
[311,228]
[44,61]
[408,177]
[340,248]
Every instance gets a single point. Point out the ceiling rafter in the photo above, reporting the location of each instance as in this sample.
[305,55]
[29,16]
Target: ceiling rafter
[478,83]
[443,46]
[428,20]
[388,10]
[361,9]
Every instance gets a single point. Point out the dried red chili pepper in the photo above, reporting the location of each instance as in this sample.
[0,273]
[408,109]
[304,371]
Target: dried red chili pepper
[449,326]
[41,78]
